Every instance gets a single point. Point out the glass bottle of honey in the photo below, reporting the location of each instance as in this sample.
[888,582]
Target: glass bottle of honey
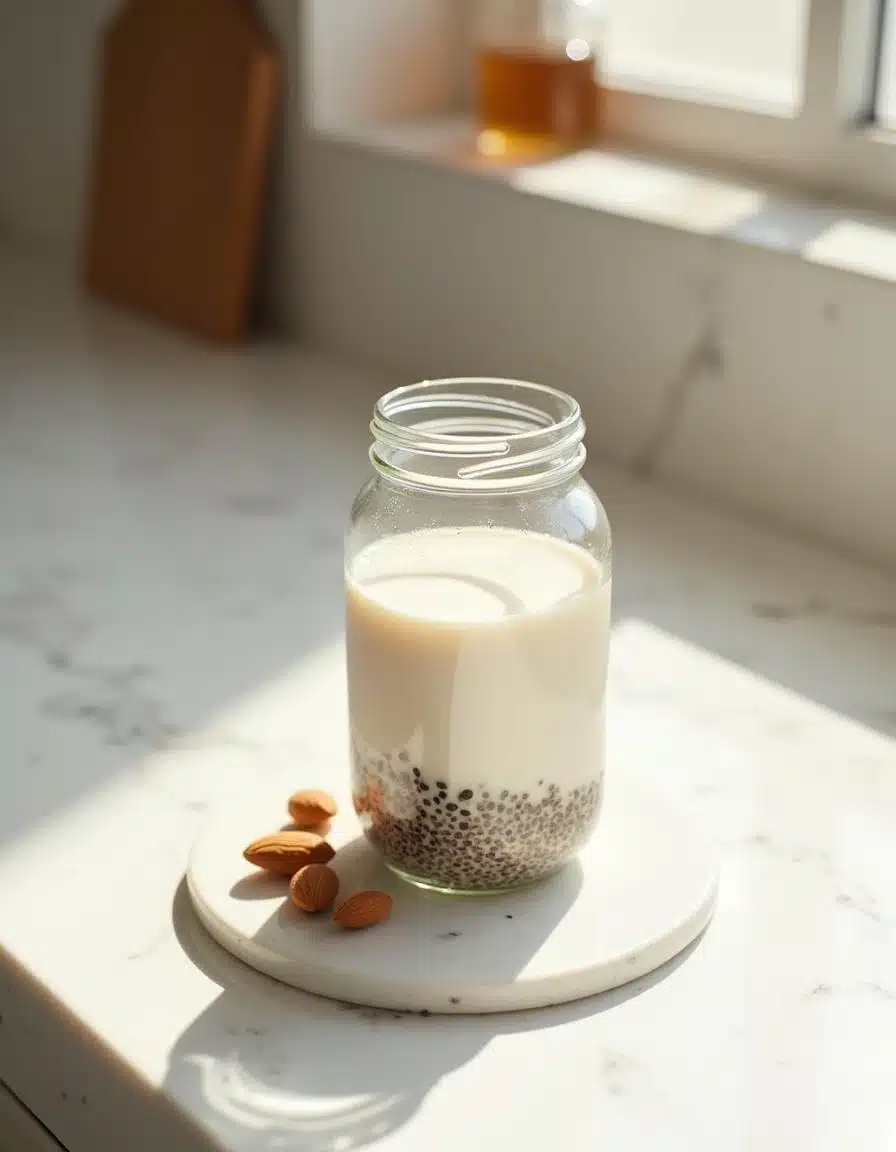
[537,76]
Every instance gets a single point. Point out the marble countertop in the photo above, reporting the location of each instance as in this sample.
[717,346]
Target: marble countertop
[170,615]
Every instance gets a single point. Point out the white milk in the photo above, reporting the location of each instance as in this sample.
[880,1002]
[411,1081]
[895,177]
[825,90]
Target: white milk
[481,651]
[477,662]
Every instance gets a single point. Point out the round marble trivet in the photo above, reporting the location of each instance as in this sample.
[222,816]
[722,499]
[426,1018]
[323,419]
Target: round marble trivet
[640,892]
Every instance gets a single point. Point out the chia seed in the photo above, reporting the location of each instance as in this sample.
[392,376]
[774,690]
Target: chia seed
[525,836]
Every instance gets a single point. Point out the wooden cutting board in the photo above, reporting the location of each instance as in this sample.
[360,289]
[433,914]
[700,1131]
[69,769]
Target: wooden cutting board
[184,123]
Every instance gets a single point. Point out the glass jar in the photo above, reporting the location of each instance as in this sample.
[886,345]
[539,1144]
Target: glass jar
[537,71]
[477,571]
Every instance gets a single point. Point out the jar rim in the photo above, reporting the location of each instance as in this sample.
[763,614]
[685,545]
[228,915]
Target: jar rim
[477,434]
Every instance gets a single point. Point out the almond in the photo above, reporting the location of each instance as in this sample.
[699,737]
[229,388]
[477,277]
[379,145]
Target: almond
[287,852]
[314,887]
[311,807]
[364,909]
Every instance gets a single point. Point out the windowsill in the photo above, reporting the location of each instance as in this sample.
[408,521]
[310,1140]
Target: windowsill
[653,191]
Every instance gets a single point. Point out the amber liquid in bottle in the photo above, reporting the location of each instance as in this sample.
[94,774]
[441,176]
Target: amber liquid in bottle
[535,100]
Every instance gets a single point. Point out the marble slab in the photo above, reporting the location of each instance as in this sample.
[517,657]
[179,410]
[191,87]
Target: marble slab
[170,635]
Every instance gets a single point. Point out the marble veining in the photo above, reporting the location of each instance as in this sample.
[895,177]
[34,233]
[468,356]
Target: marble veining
[117,701]
[849,892]
[170,633]
[35,613]
[813,608]
[703,363]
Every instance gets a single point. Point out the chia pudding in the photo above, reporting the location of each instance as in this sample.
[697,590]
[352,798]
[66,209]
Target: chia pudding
[477,673]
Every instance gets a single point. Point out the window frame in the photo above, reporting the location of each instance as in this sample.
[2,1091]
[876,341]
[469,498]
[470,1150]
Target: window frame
[830,145]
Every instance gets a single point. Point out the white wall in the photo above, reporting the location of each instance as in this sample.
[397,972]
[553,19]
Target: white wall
[375,60]
[46,89]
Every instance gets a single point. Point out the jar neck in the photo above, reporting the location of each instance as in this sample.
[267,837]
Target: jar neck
[477,435]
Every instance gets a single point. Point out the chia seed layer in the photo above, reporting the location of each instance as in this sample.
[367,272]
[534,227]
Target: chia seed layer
[469,836]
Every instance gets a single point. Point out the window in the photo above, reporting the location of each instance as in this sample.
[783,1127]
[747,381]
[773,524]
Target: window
[799,91]
[886,72]
[749,53]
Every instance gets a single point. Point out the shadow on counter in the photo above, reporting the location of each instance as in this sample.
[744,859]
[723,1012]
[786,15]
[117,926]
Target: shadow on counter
[274,1068]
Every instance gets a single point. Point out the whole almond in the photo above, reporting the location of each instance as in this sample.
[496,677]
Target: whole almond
[314,887]
[364,909]
[311,807]
[287,852]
